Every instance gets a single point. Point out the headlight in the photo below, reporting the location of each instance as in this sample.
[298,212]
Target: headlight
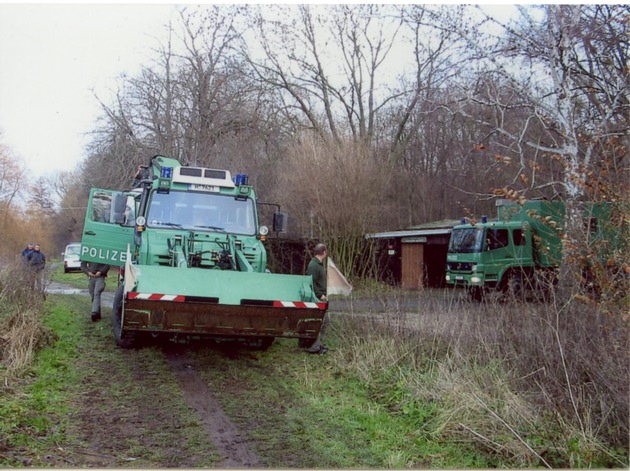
[448,277]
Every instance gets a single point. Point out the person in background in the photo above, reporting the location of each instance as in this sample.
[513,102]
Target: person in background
[37,263]
[26,252]
[317,270]
[96,273]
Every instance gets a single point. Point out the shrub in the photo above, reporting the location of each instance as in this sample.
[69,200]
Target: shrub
[21,327]
[539,384]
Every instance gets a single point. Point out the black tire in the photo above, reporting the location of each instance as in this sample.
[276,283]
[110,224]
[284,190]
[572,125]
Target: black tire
[546,284]
[516,287]
[266,343]
[475,293]
[306,343]
[260,343]
[123,340]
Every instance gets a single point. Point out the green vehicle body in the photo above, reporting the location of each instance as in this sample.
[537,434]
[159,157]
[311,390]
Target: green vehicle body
[192,260]
[520,250]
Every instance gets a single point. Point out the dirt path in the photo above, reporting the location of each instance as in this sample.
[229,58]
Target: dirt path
[135,420]
[229,441]
[133,411]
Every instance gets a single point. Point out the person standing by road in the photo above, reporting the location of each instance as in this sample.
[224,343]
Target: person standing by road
[37,263]
[96,273]
[26,252]
[317,270]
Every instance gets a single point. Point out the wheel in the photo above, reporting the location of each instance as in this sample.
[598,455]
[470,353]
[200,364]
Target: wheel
[515,288]
[266,342]
[306,343]
[260,343]
[475,293]
[123,340]
[546,283]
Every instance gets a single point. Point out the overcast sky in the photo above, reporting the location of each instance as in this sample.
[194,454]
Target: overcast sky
[53,59]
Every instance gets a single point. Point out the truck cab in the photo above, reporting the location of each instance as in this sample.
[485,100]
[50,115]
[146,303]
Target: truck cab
[481,255]
[186,215]
[521,251]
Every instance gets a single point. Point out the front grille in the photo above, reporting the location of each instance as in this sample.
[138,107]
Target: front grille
[459,266]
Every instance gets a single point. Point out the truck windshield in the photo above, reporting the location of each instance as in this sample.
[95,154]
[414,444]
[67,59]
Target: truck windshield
[467,240]
[202,212]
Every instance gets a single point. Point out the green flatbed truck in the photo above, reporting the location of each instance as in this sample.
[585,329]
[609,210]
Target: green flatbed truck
[519,253]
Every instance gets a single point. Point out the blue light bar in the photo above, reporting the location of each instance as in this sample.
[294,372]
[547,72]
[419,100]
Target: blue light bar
[240,179]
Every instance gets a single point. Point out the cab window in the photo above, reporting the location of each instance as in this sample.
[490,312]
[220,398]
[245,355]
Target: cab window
[518,235]
[101,206]
[496,239]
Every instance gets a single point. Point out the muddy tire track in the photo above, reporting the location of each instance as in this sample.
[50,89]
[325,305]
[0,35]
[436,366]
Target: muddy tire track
[100,417]
[224,434]
[129,412]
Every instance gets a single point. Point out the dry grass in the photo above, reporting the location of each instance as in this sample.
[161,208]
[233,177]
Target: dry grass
[21,308]
[25,335]
[546,385]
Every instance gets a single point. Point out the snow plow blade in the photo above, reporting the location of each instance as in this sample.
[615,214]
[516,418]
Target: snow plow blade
[214,303]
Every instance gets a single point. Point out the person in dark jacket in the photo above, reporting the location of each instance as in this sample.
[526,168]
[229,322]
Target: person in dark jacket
[37,262]
[26,252]
[317,270]
[96,273]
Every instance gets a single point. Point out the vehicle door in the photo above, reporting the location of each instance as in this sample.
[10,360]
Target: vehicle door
[109,227]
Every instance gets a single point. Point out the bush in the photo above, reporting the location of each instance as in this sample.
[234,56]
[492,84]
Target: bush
[21,308]
[540,385]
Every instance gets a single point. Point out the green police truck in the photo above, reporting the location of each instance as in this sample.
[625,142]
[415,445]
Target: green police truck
[192,260]
[518,254]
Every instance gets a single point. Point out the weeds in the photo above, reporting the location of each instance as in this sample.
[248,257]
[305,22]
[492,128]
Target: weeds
[540,385]
[23,332]
[449,384]
[25,335]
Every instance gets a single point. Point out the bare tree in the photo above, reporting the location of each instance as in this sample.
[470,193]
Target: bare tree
[41,200]
[327,66]
[13,186]
[550,64]
[12,177]
[333,192]
[554,84]
[183,103]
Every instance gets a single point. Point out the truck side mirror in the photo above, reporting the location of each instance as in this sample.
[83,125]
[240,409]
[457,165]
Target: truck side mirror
[119,205]
[280,220]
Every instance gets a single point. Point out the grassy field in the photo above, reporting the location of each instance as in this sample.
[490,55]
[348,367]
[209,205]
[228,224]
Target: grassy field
[447,386]
[297,410]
